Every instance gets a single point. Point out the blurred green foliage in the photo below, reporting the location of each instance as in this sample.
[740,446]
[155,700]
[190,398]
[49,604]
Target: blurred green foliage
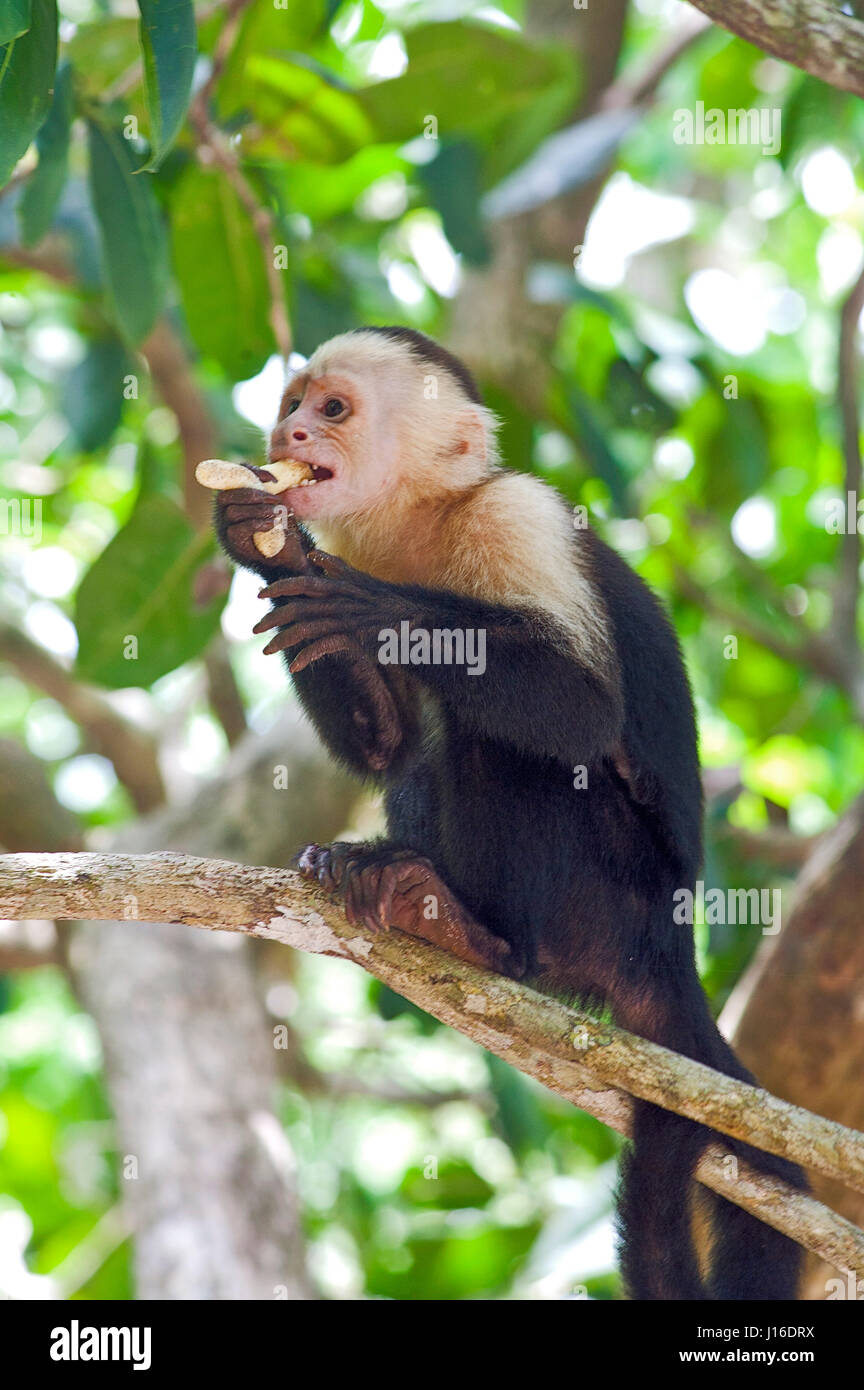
[701,442]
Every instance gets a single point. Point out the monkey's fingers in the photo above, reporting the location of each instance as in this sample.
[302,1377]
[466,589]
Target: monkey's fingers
[264,517]
[309,586]
[297,633]
[248,497]
[319,611]
[325,646]
[331,564]
[329,863]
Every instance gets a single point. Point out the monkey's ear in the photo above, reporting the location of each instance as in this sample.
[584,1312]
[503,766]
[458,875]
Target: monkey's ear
[470,435]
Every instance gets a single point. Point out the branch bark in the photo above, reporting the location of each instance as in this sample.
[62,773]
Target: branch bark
[584,1060]
[811,34]
[503,335]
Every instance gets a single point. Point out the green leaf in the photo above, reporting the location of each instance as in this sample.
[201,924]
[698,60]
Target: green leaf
[141,588]
[42,190]
[220,270]
[814,114]
[325,191]
[26,75]
[93,393]
[130,231]
[322,305]
[301,111]
[593,440]
[170,47]
[103,51]
[452,180]
[14,19]
[265,29]
[728,77]
[493,78]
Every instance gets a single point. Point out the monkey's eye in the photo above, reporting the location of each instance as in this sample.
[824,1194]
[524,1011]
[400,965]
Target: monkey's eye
[334,408]
[292,406]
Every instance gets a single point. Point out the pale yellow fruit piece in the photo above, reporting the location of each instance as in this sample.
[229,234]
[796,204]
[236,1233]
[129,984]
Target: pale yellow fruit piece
[220,475]
[223,476]
[269,543]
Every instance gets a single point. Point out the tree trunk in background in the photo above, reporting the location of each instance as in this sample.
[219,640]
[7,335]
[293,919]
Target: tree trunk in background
[801,1005]
[495,327]
[190,1063]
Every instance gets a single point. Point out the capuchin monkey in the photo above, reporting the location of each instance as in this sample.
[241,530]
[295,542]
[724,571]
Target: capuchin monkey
[548,798]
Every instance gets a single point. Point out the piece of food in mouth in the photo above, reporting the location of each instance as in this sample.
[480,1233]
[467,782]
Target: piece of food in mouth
[220,476]
[287,473]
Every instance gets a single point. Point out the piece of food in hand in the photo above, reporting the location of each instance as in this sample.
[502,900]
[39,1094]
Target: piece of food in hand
[286,473]
[220,476]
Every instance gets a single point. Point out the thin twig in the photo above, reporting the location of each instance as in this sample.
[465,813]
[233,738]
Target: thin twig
[812,651]
[636,89]
[215,148]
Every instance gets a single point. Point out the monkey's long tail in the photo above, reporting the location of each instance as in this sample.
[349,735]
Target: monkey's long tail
[748,1259]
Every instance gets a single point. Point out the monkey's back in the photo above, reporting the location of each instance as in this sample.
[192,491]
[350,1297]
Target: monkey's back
[557,858]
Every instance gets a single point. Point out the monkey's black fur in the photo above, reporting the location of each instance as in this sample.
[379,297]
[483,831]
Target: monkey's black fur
[579,882]
[429,351]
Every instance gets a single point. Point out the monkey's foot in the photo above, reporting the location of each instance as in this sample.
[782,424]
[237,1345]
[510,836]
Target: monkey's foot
[383,888]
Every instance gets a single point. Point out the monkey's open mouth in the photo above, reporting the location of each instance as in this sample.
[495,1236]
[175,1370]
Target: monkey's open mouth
[319,475]
[292,473]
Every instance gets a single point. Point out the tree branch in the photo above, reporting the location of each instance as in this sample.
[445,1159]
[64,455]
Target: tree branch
[639,87]
[132,751]
[796,1013]
[580,1058]
[845,617]
[815,651]
[223,692]
[774,845]
[175,382]
[811,34]
[31,817]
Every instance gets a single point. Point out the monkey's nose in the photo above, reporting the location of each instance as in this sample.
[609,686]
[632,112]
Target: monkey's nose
[299,435]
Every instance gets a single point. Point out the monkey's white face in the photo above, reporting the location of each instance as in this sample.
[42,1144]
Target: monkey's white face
[343,428]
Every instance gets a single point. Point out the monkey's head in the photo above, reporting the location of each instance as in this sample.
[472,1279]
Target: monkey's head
[379,410]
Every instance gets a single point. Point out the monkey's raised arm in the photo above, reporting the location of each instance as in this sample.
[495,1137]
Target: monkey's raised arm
[532,694]
[354,708]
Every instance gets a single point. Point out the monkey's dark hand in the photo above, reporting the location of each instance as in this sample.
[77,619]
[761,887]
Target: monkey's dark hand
[338,609]
[242,513]
[308,601]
